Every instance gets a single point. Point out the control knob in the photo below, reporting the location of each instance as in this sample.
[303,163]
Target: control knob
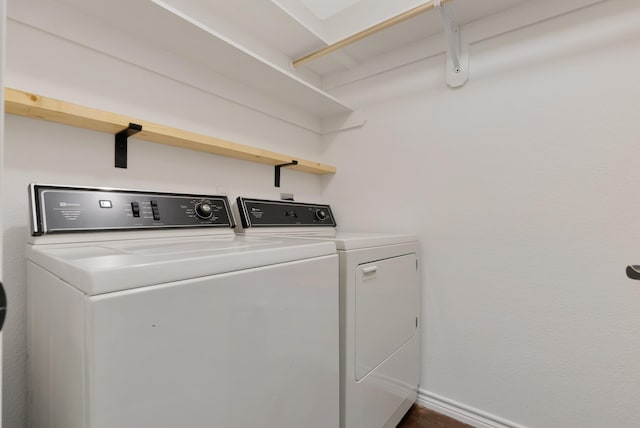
[204,210]
[321,215]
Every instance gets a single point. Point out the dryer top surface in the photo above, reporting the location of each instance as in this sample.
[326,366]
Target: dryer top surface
[343,241]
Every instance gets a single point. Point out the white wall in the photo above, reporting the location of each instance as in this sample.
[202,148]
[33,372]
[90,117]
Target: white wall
[522,186]
[37,151]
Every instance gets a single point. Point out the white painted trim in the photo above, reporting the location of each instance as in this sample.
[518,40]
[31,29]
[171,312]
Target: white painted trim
[462,412]
[511,19]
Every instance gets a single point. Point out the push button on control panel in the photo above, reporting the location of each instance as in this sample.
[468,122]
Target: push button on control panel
[135,209]
[155,209]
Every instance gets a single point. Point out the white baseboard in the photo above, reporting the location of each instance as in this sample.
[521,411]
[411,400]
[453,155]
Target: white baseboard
[462,412]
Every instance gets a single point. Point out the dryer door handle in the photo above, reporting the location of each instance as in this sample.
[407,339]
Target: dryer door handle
[3,305]
[369,270]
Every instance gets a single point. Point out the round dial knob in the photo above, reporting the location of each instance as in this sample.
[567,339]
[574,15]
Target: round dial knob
[204,210]
[321,215]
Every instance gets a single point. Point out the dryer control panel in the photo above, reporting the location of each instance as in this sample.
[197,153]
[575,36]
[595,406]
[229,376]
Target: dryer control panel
[57,209]
[266,213]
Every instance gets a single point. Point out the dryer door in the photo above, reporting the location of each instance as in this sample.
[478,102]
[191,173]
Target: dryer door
[386,309]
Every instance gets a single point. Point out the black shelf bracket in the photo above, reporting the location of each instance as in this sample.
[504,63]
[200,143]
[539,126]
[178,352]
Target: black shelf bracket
[121,144]
[277,171]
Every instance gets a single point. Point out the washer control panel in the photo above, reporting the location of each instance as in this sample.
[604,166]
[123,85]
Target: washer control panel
[266,213]
[56,209]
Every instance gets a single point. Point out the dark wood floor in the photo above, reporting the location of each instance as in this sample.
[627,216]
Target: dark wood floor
[419,417]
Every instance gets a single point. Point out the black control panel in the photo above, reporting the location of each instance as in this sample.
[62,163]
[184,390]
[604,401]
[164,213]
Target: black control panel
[56,209]
[265,213]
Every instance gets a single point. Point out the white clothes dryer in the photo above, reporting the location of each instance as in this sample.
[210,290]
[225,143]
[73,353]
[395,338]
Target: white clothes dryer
[146,310]
[379,307]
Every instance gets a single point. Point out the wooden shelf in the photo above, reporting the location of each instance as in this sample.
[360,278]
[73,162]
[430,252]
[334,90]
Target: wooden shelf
[39,107]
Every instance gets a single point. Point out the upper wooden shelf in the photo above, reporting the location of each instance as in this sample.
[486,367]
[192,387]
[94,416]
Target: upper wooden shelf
[53,110]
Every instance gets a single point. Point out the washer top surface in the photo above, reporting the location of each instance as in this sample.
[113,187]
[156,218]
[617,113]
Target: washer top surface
[108,266]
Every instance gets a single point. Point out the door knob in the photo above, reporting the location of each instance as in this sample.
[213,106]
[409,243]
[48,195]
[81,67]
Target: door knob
[633,271]
[3,305]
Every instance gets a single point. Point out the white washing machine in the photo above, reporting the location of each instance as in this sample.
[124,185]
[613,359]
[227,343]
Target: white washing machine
[145,310]
[379,308]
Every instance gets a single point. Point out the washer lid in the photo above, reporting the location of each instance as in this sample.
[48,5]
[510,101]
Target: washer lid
[103,267]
